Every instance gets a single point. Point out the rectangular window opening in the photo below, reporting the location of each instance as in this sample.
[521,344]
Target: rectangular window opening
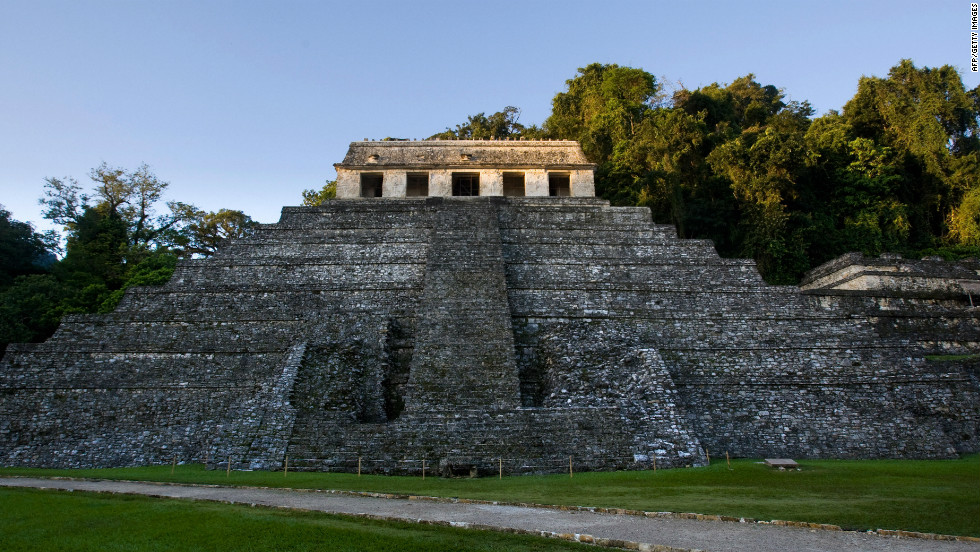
[371,184]
[417,185]
[466,184]
[514,184]
[559,185]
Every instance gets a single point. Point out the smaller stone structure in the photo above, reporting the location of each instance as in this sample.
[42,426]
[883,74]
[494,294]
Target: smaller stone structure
[890,274]
[444,168]
[929,302]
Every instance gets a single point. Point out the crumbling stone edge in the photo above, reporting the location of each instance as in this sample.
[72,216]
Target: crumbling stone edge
[574,537]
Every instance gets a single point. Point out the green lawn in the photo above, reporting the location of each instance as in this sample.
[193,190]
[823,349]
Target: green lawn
[939,496]
[53,520]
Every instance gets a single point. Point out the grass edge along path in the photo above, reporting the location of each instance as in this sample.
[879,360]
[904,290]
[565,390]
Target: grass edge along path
[928,496]
[36,519]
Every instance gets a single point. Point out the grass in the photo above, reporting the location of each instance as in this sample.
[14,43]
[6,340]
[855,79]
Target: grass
[937,496]
[951,358]
[53,520]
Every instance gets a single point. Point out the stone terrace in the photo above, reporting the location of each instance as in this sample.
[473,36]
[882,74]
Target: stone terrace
[475,332]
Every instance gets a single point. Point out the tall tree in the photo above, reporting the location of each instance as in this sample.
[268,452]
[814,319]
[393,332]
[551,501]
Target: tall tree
[97,248]
[659,166]
[929,122]
[742,104]
[313,197]
[763,167]
[130,197]
[110,231]
[604,105]
[753,144]
[209,231]
[499,126]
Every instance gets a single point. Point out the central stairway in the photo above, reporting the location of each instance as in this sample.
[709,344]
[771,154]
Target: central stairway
[464,349]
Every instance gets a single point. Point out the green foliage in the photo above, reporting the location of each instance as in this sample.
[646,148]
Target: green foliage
[154,270]
[31,308]
[603,107]
[22,250]
[952,358]
[312,198]
[209,231]
[97,247]
[924,111]
[964,219]
[929,124]
[499,126]
[663,160]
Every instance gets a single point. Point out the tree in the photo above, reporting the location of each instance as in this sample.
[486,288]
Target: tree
[30,309]
[312,198]
[209,231]
[97,247]
[114,230]
[926,111]
[499,126]
[604,109]
[763,167]
[929,122]
[129,197]
[604,105]
[659,166]
[22,250]
[746,199]
[738,106]
[155,270]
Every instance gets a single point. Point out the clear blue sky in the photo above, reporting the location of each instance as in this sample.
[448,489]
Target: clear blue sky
[243,104]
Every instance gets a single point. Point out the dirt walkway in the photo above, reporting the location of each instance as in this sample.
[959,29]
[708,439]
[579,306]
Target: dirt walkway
[680,534]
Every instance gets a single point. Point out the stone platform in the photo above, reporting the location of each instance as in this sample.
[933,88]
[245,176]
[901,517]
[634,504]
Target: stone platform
[475,333]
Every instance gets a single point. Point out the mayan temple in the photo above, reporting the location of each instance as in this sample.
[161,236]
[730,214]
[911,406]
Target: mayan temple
[474,305]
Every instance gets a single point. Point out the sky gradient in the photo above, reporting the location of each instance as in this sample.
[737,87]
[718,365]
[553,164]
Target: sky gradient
[242,105]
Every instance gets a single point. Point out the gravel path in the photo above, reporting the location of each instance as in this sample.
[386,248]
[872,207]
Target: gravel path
[683,534]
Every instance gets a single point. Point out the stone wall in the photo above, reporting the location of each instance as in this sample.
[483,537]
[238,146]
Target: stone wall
[930,302]
[891,275]
[475,333]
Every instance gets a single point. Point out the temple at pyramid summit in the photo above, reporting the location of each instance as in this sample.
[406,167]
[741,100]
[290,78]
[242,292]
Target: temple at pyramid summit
[472,305]
[461,168]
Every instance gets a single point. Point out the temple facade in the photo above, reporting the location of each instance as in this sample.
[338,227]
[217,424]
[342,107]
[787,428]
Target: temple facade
[445,168]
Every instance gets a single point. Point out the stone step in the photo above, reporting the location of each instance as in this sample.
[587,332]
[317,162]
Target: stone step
[464,347]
